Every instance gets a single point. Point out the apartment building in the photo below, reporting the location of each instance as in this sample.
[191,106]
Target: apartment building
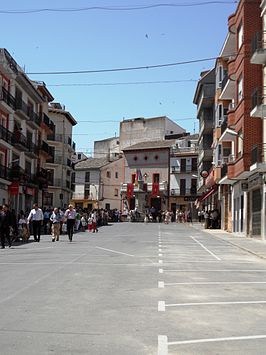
[88,190]
[146,176]
[111,177]
[60,168]
[137,130]
[257,180]
[23,130]
[184,174]
[204,99]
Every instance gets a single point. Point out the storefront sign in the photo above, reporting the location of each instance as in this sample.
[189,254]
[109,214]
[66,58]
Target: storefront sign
[190,198]
[155,189]
[130,190]
[14,188]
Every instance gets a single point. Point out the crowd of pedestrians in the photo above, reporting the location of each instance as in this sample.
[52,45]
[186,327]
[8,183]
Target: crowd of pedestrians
[54,222]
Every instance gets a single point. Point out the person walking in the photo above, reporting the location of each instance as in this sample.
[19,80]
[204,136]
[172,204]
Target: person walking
[55,220]
[36,218]
[6,222]
[70,216]
[94,221]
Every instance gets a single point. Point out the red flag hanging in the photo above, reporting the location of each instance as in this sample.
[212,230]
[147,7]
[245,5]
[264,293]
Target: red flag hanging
[155,189]
[130,190]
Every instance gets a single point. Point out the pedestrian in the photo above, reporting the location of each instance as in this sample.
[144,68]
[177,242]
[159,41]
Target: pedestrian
[78,218]
[46,221]
[55,220]
[90,223]
[36,219]
[70,216]
[83,223]
[5,225]
[94,221]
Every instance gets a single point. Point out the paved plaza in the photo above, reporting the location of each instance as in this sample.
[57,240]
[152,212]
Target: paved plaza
[134,289]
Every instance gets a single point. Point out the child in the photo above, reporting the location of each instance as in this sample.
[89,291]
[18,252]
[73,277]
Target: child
[23,229]
[90,224]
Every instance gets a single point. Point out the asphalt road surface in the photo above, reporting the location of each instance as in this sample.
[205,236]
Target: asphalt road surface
[132,289]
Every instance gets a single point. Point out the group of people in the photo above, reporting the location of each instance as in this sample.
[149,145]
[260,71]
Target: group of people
[54,222]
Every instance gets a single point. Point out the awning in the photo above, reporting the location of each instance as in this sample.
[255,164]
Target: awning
[209,193]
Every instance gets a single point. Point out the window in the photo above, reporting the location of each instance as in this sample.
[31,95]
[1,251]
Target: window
[108,174]
[183,165]
[182,186]
[28,167]
[79,156]
[156,178]
[116,174]
[48,199]
[194,164]
[240,36]
[193,189]
[220,76]
[87,176]
[240,144]
[240,89]
[116,192]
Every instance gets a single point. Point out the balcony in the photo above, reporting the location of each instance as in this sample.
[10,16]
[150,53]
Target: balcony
[6,135]
[16,173]
[184,192]
[26,112]
[32,150]
[207,97]
[46,149]
[258,48]
[206,126]
[4,172]
[163,186]
[60,138]
[258,109]
[19,141]
[48,124]
[7,100]
[228,88]
[258,163]
[59,183]
[184,170]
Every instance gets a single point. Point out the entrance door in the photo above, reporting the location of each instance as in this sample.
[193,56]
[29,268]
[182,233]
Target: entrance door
[156,203]
[256,212]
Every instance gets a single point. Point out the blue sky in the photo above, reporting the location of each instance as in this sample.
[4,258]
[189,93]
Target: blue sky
[97,39]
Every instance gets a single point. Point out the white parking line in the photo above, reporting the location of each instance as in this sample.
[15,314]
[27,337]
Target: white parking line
[211,340]
[210,252]
[114,251]
[160,271]
[160,261]
[160,284]
[160,250]
[217,283]
[213,270]
[161,306]
[206,304]
[160,254]
[162,345]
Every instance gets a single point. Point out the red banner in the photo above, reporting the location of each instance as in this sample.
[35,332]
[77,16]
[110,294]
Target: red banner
[155,189]
[130,190]
[14,188]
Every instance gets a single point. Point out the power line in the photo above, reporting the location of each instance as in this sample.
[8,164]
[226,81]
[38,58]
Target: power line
[116,8]
[123,69]
[127,83]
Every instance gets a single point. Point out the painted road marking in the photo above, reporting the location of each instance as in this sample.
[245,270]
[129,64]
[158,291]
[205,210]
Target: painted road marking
[160,254]
[114,251]
[160,284]
[210,252]
[162,345]
[213,270]
[212,340]
[160,261]
[160,250]
[163,305]
[217,283]
[160,271]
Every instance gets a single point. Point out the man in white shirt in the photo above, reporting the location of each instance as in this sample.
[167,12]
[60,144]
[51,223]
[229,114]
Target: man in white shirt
[36,218]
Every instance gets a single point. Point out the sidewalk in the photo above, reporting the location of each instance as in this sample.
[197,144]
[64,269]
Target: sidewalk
[251,245]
